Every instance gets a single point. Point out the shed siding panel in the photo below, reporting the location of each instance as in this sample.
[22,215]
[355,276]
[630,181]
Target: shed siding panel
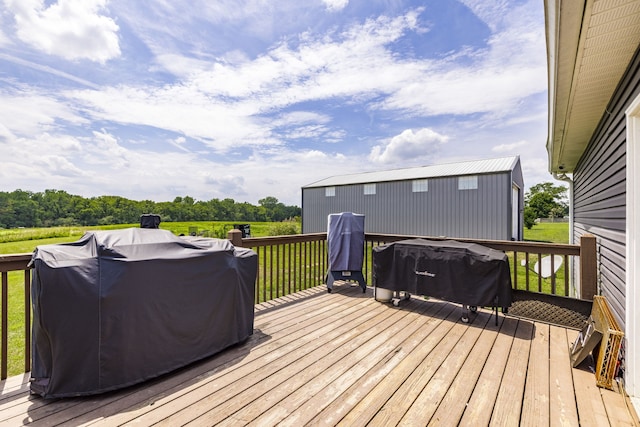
[443,210]
[517,179]
[600,191]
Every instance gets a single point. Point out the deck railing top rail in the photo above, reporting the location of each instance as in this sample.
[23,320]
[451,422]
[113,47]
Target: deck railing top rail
[14,262]
[503,245]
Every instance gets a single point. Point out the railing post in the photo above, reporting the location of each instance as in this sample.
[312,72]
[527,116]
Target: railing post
[235,236]
[588,267]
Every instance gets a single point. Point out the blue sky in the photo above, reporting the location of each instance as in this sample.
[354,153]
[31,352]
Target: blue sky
[245,99]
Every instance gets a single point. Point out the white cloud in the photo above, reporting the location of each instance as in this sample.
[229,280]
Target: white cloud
[468,91]
[409,145]
[289,170]
[226,184]
[508,148]
[335,136]
[31,113]
[105,148]
[492,81]
[57,165]
[41,158]
[335,5]
[231,29]
[491,12]
[5,134]
[318,67]
[4,40]
[315,131]
[46,144]
[179,143]
[179,108]
[71,29]
[180,65]
[223,106]
[313,155]
[47,69]
[301,117]
[305,124]
[536,170]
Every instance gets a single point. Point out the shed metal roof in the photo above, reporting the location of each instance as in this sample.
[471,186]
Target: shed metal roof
[476,167]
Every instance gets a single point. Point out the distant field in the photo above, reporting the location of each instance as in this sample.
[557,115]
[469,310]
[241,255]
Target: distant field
[547,232]
[23,240]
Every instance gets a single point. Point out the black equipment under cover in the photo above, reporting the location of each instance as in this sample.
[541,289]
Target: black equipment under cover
[118,307]
[464,273]
[149,221]
[345,242]
[345,239]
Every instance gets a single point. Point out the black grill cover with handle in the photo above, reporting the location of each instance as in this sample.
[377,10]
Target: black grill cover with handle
[464,273]
[118,307]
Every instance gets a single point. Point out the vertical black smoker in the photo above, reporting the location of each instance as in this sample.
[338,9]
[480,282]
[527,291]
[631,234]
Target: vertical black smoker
[345,240]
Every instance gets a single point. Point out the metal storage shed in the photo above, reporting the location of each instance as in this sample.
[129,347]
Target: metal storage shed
[476,199]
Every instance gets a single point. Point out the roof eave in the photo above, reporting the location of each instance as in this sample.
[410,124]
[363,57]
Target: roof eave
[563,22]
[590,44]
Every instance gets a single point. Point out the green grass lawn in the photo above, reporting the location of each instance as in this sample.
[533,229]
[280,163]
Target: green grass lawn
[24,240]
[548,232]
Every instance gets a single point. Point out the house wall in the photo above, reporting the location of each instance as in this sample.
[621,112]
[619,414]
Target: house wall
[600,191]
[443,210]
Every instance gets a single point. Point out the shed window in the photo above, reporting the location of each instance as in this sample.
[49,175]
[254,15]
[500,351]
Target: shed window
[369,189]
[330,191]
[420,185]
[468,182]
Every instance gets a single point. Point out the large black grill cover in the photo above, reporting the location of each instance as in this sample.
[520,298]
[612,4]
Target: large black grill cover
[119,307]
[464,273]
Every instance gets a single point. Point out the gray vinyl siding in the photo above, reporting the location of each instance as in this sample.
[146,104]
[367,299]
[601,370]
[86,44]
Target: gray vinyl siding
[600,191]
[443,210]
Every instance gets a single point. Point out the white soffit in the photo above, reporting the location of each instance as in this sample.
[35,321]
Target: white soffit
[589,46]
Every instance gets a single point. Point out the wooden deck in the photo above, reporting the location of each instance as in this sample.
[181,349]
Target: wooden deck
[344,359]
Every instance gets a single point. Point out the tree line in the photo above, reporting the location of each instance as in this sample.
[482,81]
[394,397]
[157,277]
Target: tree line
[21,208]
[545,200]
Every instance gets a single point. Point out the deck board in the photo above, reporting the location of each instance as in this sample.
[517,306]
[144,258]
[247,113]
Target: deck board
[394,409]
[508,406]
[317,386]
[479,407]
[562,402]
[342,358]
[427,402]
[328,362]
[455,401]
[535,406]
[362,410]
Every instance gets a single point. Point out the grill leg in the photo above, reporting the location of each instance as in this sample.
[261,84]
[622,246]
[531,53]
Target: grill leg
[465,313]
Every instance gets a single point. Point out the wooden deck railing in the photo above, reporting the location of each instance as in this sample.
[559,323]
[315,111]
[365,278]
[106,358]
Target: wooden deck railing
[11,267]
[288,264]
[523,257]
[299,262]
